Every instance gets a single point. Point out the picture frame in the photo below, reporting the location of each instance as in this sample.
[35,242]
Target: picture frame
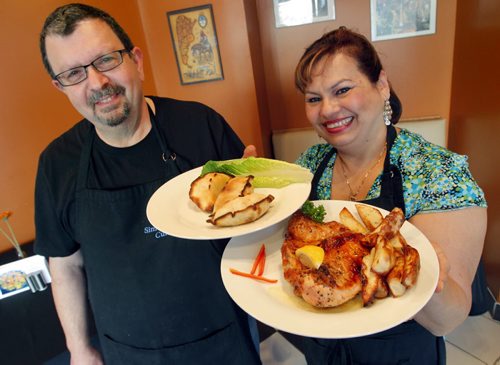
[196,48]
[392,19]
[289,13]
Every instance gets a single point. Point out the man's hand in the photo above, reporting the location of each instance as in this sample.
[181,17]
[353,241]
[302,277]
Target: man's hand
[90,356]
[250,151]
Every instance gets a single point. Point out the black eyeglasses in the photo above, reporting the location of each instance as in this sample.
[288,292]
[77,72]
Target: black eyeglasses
[104,63]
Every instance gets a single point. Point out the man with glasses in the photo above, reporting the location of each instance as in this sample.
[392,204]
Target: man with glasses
[156,299]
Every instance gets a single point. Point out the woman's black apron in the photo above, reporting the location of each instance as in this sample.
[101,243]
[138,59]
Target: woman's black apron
[156,299]
[408,343]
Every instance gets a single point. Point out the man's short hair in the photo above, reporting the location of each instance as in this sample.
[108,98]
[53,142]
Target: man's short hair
[64,20]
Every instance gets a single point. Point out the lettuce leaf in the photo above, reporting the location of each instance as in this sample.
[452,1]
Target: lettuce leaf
[267,173]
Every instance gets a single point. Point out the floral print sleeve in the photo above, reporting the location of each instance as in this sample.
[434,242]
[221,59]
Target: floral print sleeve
[434,178]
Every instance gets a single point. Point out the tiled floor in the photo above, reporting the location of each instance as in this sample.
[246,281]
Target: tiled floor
[475,342]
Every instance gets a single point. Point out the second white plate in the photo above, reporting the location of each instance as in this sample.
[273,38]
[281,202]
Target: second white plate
[171,211]
[277,306]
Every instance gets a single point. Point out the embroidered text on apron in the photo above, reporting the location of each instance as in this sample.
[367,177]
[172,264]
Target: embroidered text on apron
[147,288]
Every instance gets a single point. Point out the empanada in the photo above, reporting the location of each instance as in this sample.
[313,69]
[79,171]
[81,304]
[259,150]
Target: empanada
[236,187]
[241,210]
[205,189]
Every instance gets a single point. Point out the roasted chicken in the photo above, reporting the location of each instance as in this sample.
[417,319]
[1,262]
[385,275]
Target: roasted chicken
[373,262]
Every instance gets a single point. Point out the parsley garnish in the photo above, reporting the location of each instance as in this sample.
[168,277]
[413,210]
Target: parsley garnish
[317,214]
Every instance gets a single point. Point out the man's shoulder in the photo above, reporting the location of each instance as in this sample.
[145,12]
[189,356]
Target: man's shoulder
[66,148]
[181,108]
[171,102]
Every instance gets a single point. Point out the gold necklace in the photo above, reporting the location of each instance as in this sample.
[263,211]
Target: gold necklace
[353,195]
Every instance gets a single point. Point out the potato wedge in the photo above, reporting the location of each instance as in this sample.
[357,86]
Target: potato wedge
[396,275]
[205,189]
[389,227]
[383,260]
[348,220]
[370,216]
[241,210]
[412,265]
[371,279]
[382,289]
[236,187]
[398,242]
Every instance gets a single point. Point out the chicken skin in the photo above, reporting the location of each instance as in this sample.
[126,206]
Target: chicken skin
[339,277]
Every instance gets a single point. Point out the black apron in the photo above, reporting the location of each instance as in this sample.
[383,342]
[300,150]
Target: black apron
[156,299]
[408,343]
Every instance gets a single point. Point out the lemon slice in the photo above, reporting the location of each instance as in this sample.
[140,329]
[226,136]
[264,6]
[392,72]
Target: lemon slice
[310,256]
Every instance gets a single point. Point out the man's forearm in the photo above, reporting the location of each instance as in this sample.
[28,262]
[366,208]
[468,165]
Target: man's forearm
[70,298]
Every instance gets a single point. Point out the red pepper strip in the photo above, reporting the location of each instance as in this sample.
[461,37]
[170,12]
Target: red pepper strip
[257,259]
[252,276]
[262,262]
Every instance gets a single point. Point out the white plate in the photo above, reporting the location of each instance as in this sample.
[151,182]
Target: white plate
[277,306]
[171,211]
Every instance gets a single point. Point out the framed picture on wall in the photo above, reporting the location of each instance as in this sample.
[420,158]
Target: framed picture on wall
[297,12]
[195,44]
[392,19]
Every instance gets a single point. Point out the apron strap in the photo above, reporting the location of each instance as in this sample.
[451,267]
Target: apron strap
[84,165]
[319,172]
[166,154]
[391,184]
[181,163]
[391,189]
[390,137]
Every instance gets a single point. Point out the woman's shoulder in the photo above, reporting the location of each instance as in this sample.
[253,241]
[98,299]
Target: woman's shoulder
[434,178]
[414,152]
[312,157]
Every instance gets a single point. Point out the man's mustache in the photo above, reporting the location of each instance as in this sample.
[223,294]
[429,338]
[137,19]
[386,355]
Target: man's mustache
[108,90]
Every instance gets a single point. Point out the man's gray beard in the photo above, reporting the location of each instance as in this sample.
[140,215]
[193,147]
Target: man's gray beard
[114,121]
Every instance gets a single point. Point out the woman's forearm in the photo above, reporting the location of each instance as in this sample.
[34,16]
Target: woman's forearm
[446,310]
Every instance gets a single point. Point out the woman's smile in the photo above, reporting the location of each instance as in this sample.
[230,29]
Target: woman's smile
[337,125]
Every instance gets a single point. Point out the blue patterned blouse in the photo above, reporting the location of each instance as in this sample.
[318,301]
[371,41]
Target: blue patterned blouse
[434,178]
